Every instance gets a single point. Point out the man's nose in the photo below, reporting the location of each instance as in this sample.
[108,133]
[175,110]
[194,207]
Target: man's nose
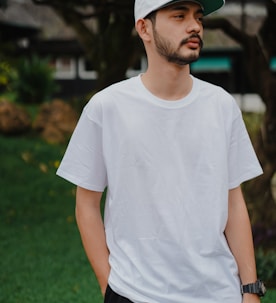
[194,25]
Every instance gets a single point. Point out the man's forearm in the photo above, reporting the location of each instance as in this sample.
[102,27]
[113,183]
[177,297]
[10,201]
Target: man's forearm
[92,232]
[239,236]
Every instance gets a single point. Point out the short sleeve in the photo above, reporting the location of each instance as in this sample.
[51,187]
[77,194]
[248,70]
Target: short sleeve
[83,162]
[243,164]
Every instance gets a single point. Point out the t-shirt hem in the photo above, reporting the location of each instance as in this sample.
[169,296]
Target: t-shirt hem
[63,174]
[245,177]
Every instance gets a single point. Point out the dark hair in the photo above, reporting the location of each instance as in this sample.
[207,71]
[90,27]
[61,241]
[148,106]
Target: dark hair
[152,17]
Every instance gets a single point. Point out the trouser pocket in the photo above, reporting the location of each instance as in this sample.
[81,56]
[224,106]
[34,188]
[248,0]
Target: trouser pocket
[112,297]
[107,294]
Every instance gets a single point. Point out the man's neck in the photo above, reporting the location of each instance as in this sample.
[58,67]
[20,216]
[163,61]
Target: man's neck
[168,82]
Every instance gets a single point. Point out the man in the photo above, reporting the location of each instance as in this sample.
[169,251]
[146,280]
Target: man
[173,151]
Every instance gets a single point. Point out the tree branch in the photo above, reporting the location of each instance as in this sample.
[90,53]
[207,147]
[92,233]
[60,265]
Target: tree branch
[229,29]
[98,7]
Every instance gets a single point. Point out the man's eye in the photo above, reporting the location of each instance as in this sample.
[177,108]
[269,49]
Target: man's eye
[179,16]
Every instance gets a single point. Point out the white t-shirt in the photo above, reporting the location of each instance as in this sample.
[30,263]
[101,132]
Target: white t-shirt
[168,166]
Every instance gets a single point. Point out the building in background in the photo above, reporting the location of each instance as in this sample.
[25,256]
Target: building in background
[37,29]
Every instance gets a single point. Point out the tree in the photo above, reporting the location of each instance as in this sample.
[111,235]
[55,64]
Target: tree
[108,42]
[259,50]
[112,47]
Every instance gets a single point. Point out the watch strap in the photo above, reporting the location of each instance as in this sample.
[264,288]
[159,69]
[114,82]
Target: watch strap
[257,288]
[250,288]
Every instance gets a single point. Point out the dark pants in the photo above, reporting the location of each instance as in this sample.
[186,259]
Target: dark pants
[112,297]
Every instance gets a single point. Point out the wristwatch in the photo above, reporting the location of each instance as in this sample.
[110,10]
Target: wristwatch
[257,288]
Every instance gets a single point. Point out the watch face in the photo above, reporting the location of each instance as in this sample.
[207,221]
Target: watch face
[262,289]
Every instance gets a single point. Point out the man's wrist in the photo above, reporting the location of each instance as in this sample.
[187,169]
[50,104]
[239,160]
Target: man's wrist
[250,298]
[257,288]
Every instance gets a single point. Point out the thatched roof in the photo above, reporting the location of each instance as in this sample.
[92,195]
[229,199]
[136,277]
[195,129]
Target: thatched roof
[25,14]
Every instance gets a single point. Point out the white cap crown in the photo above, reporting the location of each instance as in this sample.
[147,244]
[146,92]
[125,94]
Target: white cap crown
[144,7]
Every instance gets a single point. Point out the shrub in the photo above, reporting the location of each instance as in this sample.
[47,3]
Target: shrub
[34,82]
[266,265]
[6,74]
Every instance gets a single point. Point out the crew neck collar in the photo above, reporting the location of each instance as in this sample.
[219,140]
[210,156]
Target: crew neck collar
[189,98]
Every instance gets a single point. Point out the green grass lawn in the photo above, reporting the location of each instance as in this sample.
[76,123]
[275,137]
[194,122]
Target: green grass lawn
[41,256]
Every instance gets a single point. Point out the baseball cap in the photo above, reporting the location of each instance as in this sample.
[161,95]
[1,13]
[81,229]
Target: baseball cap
[144,7]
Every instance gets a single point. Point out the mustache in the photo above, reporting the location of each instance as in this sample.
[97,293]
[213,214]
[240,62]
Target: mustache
[186,40]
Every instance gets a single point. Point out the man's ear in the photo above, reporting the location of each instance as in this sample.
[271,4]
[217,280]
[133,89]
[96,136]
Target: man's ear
[143,28]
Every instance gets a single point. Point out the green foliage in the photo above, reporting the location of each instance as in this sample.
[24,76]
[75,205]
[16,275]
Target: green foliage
[253,123]
[270,296]
[34,82]
[6,74]
[266,264]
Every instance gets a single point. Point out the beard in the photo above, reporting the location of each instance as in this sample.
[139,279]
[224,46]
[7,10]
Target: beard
[166,50]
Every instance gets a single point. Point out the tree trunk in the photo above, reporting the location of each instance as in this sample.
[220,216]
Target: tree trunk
[258,51]
[109,47]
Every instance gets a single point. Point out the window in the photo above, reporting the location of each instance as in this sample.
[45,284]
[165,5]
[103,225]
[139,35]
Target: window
[65,68]
[86,70]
